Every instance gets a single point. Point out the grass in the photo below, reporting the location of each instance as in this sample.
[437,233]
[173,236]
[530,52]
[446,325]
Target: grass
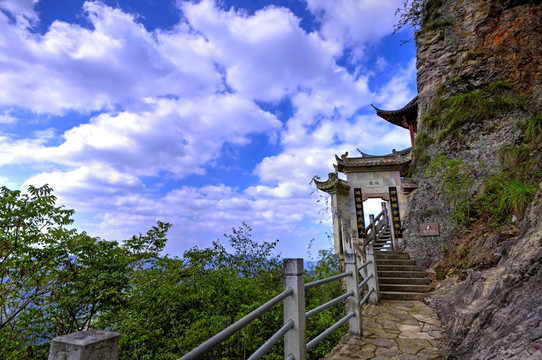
[471,55]
[450,114]
[437,24]
[516,197]
[533,129]
[504,196]
[512,156]
[421,142]
[431,13]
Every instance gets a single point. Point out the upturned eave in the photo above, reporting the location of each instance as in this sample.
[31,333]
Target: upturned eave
[333,185]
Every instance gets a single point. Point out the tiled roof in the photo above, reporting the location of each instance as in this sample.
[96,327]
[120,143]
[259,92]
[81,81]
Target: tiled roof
[403,117]
[395,160]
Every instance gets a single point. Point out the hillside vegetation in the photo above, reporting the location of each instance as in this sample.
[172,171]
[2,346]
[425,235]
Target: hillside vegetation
[56,281]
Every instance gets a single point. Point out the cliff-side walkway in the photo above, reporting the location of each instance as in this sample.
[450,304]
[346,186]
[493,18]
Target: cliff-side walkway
[394,330]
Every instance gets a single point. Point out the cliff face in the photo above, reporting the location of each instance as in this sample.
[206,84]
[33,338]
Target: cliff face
[479,81]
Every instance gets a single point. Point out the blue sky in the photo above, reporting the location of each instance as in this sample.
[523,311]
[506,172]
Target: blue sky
[205,114]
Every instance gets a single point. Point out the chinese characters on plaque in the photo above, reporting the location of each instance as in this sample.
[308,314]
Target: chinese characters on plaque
[429,229]
[359,212]
[394,208]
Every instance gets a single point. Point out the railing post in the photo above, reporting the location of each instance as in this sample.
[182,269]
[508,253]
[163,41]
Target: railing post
[295,340]
[385,212]
[86,345]
[372,269]
[352,282]
[373,229]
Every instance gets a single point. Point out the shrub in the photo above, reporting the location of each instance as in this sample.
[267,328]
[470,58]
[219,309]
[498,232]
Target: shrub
[452,113]
[533,129]
[453,180]
[516,197]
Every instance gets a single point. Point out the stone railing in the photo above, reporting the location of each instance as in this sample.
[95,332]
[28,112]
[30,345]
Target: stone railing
[377,225]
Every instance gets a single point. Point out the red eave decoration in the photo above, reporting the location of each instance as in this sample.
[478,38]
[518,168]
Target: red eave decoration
[404,117]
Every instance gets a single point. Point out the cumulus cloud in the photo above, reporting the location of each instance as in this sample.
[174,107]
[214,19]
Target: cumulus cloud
[21,10]
[267,55]
[116,62]
[355,23]
[166,103]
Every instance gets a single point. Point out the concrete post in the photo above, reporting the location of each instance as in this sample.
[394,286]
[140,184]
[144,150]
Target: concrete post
[86,345]
[372,240]
[352,304]
[372,269]
[385,212]
[295,341]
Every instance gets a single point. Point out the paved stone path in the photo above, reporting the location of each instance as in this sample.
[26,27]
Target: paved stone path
[401,330]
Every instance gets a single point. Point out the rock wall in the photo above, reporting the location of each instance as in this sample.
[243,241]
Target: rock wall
[481,45]
[472,46]
[497,313]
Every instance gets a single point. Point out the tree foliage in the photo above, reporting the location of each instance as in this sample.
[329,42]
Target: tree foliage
[56,281]
[418,14]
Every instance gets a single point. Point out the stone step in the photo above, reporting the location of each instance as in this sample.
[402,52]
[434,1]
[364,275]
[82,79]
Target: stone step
[390,295]
[395,262]
[406,288]
[401,274]
[382,246]
[408,281]
[391,255]
[398,267]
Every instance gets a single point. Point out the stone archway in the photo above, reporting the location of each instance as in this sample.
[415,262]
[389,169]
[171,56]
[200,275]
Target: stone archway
[367,177]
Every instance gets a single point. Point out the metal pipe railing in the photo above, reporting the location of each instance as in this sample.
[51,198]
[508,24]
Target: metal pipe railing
[294,329]
[272,341]
[327,280]
[329,304]
[366,297]
[331,329]
[232,329]
[364,265]
[365,281]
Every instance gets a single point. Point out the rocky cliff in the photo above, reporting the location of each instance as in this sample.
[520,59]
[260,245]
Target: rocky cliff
[478,165]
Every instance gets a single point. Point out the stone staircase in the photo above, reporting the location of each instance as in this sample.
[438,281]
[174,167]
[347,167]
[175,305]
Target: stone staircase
[399,277]
[383,240]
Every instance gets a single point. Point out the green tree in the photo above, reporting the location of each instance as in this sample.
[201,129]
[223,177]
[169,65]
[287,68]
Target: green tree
[34,263]
[194,297]
[55,280]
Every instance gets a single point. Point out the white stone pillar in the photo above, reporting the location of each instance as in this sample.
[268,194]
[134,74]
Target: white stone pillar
[372,269]
[86,345]
[352,282]
[295,340]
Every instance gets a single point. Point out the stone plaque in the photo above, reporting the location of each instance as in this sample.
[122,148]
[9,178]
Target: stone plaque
[373,183]
[429,229]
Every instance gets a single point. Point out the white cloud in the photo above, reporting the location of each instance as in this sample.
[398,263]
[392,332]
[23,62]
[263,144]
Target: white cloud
[355,23]
[398,91]
[266,56]
[88,188]
[22,10]
[176,136]
[71,67]
[166,103]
